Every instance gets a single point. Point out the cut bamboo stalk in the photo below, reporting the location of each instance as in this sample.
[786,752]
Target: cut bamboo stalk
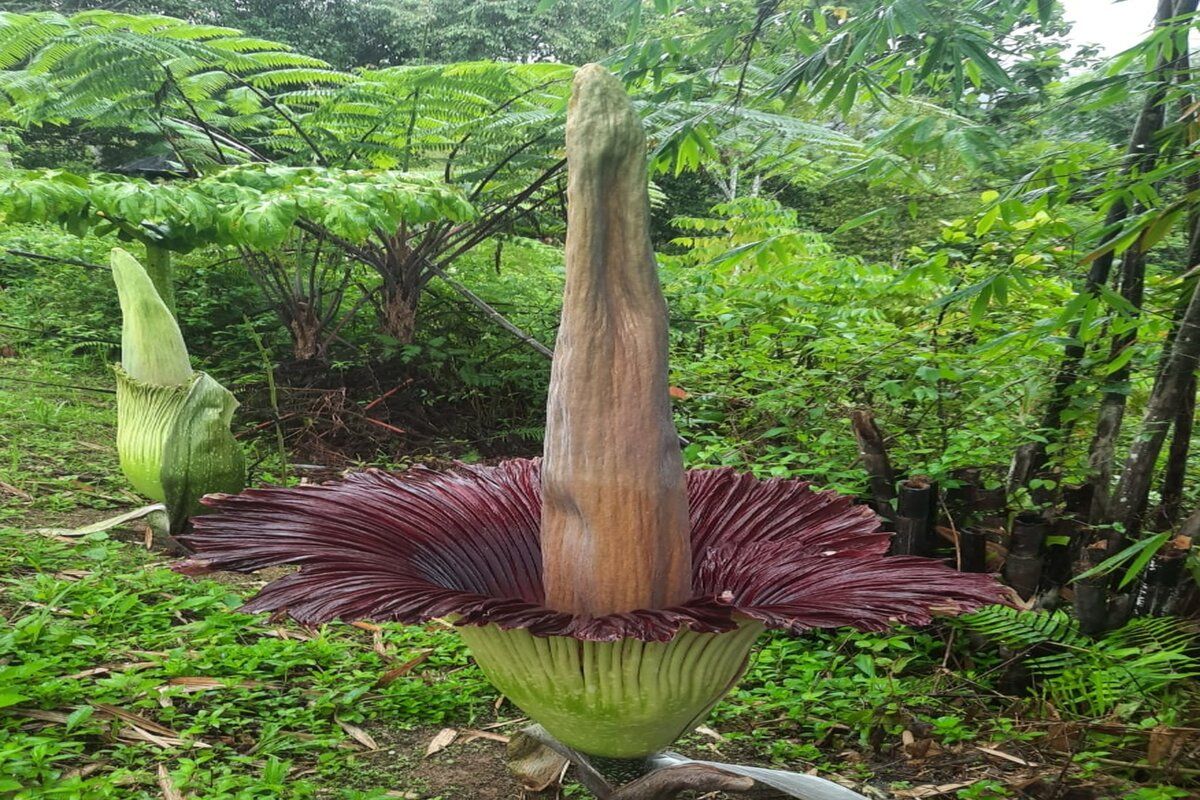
[972,550]
[991,508]
[1077,500]
[1056,571]
[1091,594]
[1023,566]
[914,517]
[1159,586]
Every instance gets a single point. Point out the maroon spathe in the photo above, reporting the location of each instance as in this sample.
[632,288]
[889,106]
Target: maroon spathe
[423,544]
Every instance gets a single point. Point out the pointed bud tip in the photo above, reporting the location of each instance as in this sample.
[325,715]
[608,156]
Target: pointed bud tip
[152,347]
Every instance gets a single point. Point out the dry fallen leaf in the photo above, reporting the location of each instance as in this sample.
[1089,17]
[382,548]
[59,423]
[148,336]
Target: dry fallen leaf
[146,725]
[82,772]
[915,748]
[1165,744]
[199,683]
[281,633]
[444,738]
[504,723]
[72,574]
[536,766]
[87,673]
[13,490]
[471,734]
[358,734]
[932,790]
[136,734]
[167,784]
[378,646]
[402,670]
[1006,756]
[704,730]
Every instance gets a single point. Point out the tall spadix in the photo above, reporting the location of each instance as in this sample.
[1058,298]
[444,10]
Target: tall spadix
[615,532]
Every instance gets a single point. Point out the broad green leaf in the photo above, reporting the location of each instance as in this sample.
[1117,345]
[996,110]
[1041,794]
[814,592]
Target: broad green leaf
[11,699]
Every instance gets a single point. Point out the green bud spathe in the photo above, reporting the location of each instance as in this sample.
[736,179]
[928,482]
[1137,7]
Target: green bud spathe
[173,424]
[152,348]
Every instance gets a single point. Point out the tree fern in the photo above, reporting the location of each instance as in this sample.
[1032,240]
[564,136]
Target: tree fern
[1087,676]
[130,71]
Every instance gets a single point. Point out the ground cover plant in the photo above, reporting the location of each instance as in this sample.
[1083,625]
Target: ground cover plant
[938,256]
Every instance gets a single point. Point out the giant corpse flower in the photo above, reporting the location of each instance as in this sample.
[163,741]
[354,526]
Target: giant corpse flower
[610,594]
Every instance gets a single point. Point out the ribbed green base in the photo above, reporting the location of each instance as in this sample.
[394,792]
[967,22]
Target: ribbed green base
[174,442]
[146,414]
[624,699]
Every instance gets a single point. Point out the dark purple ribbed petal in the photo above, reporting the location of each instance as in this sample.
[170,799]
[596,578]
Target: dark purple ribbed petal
[464,544]
[731,508]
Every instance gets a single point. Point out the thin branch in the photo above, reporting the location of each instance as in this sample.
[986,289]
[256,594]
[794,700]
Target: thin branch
[491,313]
[55,259]
[172,82]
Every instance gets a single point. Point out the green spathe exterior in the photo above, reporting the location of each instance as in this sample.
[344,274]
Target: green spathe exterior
[152,347]
[621,699]
[173,424]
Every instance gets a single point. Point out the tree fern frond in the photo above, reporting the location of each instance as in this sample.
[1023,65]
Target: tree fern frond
[1091,676]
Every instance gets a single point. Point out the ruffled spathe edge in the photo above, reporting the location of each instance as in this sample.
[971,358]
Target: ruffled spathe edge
[463,544]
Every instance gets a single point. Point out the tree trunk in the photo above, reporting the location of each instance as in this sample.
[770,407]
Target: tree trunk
[1112,406]
[398,310]
[615,530]
[308,341]
[1138,153]
[1166,399]
[873,452]
[1175,473]
[1191,526]
[1177,459]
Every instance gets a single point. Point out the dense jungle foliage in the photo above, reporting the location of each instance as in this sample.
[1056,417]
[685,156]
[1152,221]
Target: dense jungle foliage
[937,235]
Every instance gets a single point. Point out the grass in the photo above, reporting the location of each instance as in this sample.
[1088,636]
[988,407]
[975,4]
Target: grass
[100,624]
[57,443]
[119,677]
